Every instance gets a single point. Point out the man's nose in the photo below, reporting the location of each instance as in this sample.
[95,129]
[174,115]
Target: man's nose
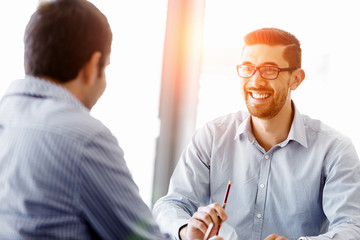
[257,79]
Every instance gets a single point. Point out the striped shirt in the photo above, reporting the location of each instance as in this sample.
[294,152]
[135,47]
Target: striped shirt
[307,185]
[62,172]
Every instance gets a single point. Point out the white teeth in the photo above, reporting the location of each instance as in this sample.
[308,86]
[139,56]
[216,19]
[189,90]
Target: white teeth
[260,95]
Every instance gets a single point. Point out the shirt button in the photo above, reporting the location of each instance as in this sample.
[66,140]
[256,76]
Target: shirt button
[267,157]
[258,215]
[262,185]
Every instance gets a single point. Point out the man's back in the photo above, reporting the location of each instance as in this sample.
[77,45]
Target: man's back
[42,139]
[62,174]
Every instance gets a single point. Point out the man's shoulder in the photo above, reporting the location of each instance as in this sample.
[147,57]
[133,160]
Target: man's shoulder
[229,120]
[39,105]
[74,122]
[318,126]
[319,130]
[235,117]
[225,126]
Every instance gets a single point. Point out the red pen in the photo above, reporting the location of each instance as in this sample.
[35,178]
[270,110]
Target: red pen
[224,205]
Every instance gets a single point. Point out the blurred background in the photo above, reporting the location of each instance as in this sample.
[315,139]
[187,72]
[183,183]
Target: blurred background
[173,69]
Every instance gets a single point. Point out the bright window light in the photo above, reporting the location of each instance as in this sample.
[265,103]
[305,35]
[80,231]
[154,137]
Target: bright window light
[130,104]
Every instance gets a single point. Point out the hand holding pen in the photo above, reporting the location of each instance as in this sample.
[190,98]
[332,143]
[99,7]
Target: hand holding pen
[201,220]
[201,224]
[207,234]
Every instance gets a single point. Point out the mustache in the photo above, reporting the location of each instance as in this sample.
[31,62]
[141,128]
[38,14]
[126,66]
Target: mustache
[258,89]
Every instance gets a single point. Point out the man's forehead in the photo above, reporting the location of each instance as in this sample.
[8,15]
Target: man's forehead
[262,53]
[264,48]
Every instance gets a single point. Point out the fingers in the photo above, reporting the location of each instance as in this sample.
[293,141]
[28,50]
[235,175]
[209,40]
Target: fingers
[275,237]
[216,238]
[208,231]
[206,215]
[214,211]
[196,224]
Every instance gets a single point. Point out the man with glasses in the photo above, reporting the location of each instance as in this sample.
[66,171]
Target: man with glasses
[292,177]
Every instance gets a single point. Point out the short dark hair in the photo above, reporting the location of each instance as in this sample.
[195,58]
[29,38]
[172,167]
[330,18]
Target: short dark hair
[62,35]
[275,36]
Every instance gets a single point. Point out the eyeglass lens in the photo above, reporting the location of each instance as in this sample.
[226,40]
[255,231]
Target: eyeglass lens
[268,72]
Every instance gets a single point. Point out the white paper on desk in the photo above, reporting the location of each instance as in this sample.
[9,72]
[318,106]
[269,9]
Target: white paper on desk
[227,232]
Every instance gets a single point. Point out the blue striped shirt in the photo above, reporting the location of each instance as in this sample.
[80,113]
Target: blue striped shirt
[62,172]
[307,185]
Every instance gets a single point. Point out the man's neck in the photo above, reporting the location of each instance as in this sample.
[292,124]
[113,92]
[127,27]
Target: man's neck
[269,132]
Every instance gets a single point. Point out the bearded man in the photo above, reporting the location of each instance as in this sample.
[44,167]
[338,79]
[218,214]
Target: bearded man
[292,177]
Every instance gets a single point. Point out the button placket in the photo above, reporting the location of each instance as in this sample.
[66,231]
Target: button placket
[262,192]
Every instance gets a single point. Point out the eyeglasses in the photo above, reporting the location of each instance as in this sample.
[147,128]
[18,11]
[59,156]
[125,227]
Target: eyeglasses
[267,72]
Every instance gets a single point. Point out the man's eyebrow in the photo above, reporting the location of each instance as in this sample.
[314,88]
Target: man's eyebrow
[262,64]
[268,63]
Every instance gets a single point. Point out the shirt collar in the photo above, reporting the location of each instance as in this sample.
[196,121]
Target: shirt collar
[245,129]
[297,131]
[40,88]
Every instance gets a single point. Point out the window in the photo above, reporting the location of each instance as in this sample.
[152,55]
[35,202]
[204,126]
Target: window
[129,106]
[13,19]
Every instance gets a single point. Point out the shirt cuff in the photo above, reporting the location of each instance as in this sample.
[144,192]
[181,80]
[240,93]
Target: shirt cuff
[176,226]
[180,229]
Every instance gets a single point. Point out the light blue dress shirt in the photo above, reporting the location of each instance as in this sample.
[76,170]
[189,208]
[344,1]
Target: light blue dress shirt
[308,185]
[62,173]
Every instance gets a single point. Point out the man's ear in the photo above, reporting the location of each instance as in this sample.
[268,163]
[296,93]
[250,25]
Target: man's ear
[91,68]
[298,77]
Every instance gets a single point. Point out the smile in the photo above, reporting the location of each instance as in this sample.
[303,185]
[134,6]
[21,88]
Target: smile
[258,95]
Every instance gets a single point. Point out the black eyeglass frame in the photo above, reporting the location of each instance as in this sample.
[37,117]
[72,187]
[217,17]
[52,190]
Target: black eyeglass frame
[260,72]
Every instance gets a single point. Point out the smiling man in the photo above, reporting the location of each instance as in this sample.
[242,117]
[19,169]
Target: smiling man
[269,101]
[292,177]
